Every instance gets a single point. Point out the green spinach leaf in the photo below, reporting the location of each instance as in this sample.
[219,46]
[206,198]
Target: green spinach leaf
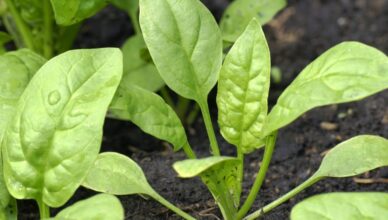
[243,89]
[138,66]
[102,206]
[73,11]
[55,134]
[150,112]
[117,174]
[333,206]
[220,174]
[347,72]
[237,16]
[185,43]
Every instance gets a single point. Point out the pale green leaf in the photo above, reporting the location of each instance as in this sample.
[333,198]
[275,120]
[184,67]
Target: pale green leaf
[238,15]
[347,72]
[334,206]
[55,134]
[138,66]
[151,113]
[220,174]
[185,43]
[355,156]
[73,11]
[117,174]
[16,70]
[99,207]
[243,89]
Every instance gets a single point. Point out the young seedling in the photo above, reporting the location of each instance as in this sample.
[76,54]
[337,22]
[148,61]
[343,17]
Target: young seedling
[185,44]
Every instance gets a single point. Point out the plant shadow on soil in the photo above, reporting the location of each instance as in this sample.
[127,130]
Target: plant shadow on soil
[296,36]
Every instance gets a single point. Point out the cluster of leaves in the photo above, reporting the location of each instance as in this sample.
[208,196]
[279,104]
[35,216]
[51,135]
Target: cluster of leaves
[52,111]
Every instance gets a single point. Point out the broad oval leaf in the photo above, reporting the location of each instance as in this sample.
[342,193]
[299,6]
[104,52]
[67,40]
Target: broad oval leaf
[355,156]
[243,89]
[238,15]
[73,11]
[99,207]
[220,174]
[138,67]
[333,206]
[185,43]
[117,174]
[150,112]
[55,134]
[347,72]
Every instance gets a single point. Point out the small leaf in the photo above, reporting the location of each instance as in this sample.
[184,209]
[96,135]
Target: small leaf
[355,156]
[102,206]
[55,134]
[243,89]
[220,174]
[138,70]
[73,11]
[238,15]
[347,72]
[151,113]
[117,174]
[333,206]
[185,43]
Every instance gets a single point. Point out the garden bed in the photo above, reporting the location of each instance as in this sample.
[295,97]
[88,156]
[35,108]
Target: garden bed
[296,36]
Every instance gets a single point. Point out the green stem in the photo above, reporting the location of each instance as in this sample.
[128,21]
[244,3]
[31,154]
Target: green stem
[189,151]
[283,199]
[47,30]
[166,96]
[240,156]
[269,147]
[209,127]
[172,207]
[44,210]
[24,30]
[135,22]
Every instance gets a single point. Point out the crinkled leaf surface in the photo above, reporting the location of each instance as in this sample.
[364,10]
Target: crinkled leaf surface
[347,72]
[151,113]
[55,134]
[117,174]
[238,15]
[138,66]
[73,11]
[16,70]
[99,207]
[243,89]
[185,43]
[220,174]
[333,206]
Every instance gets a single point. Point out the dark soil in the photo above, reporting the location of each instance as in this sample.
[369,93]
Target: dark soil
[298,35]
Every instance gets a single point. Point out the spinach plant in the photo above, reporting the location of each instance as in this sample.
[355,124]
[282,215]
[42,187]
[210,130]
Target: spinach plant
[52,113]
[185,44]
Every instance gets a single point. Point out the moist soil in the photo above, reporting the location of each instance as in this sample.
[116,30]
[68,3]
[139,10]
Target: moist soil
[296,36]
